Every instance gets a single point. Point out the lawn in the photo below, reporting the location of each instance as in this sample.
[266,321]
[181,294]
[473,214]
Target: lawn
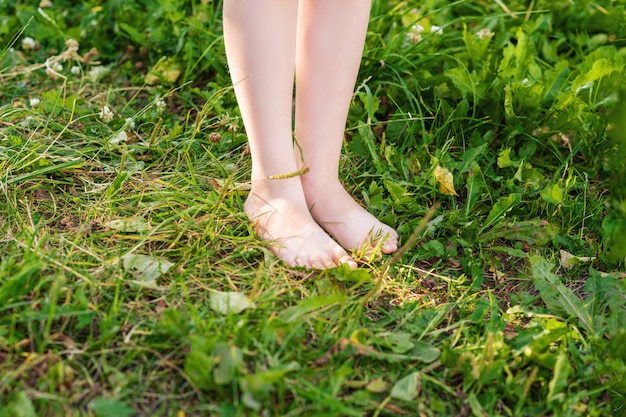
[492,135]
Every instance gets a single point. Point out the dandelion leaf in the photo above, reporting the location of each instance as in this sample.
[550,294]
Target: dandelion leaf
[557,297]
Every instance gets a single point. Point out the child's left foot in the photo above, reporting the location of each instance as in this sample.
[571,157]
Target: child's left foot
[346,221]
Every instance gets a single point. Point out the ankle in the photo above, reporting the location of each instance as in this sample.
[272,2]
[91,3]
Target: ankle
[320,184]
[284,188]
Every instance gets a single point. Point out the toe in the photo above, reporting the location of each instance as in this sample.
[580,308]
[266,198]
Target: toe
[347,260]
[389,246]
[289,258]
[340,257]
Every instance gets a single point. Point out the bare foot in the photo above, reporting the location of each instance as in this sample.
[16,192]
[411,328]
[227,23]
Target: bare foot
[345,220]
[280,216]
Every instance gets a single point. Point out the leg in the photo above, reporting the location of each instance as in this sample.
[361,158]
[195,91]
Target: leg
[331,34]
[260,47]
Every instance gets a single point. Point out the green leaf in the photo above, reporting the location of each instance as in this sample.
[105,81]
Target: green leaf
[110,407]
[569,261]
[97,72]
[145,269]
[372,103]
[366,134]
[617,344]
[199,362]
[614,232]
[552,194]
[433,248]
[469,160]
[130,225]
[229,359]
[558,298]
[166,71]
[475,186]
[522,51]
[398,342]
[527,175]
[499,210]
[46,170]
[533,232]
[18,405]
[509,108]
[467,82]
[556,80]
[552,332]
[516,253]
[425,352]
[310,305]
[135,35]
[377,386]
[504,159]
[517,59]
[526,95]
[260,384]
[601,68]
[476,406]
[397,191]
[53,102]
[607,299]
[476,45]
[344,273]
[408,388]
[19,282]
[420,351]
[559,381]
[229,302]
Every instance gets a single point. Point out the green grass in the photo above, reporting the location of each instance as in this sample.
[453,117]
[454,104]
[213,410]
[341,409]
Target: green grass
[132,284]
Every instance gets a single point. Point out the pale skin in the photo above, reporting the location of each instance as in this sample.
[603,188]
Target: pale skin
[309,220]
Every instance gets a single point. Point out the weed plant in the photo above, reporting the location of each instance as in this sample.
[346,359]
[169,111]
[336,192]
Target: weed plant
[490,133]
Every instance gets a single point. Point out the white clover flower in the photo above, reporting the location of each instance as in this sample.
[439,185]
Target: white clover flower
[160,104]
[119,138]
[58,67]
[484,33]
[34,102]
[28,43]
[75,70]
[106,114]
[231,122]
[437,30]
[414,35]
[29,121]
[130,122]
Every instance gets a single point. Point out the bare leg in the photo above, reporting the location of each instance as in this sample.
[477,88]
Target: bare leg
[260,47]
[331,34]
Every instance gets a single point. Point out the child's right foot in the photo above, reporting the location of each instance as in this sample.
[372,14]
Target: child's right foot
[280,216]
[345,220]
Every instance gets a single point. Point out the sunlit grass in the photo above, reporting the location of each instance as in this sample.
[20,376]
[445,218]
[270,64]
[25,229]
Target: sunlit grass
[119,237]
